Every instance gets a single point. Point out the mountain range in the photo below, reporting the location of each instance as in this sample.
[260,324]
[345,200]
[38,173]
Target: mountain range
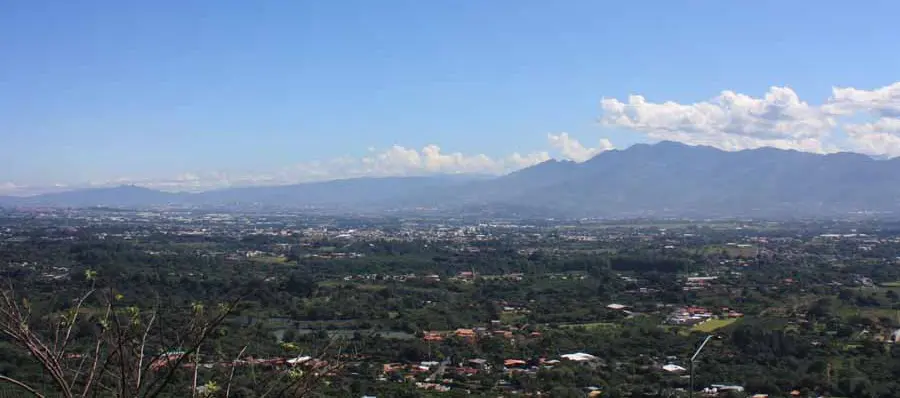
[663,179]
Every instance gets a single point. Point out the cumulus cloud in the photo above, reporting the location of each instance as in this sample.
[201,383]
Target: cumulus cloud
[431,159]
[881,102]
[571,149]
[881,137]
[780,119]
[729,121]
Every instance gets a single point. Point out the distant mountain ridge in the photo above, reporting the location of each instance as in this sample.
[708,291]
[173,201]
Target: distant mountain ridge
[334,193]
[666,178]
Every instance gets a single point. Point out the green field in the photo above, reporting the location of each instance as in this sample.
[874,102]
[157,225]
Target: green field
[269,259]
[871,313]
[512,319]
[891,284]
[713,324]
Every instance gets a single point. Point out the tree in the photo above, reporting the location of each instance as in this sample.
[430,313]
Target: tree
[100,345]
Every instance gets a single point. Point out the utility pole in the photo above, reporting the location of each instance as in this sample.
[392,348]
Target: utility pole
[694,359]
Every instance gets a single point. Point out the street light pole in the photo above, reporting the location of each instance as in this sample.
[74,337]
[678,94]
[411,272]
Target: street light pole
[691,391]
[694,359]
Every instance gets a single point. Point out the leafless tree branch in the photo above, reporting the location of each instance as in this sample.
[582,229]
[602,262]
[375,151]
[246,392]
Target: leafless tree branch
[21,385]
[231,375]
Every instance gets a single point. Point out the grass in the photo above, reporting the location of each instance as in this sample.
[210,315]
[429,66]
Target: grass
[369,287]
[511,319]
[867,312]
[713,325]
[891,284]
[269,259]
[332,283]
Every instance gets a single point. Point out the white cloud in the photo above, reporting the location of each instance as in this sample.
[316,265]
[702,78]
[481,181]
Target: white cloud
[780,119]
[571,149]
[394,161]
[881,102]
[881,137]
[729,121]
[399,160]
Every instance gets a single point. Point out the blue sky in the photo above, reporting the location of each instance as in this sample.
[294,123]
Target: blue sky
[200,94]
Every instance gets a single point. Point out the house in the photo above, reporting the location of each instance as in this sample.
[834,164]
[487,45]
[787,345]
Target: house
[465,371]
[673,368]
[479,363]
[429,364]
[391,367]
[432,336]
[432,386]
[579,357]
[689,315]
[716,389]
[465,333]
[466,275]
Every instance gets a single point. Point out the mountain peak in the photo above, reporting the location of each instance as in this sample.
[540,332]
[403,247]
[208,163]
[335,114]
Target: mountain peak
[665,146]
[672,144]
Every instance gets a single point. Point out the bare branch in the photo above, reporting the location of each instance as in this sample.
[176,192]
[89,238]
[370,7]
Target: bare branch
[233,366]
[77,372]
[307,381]
[93,372]
[196,371]
[16,326]
[115,363]
[140,366]
[65,340]
[21,385]
[204,334]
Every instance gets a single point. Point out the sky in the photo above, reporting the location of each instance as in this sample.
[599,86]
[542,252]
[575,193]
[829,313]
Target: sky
[187,95]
